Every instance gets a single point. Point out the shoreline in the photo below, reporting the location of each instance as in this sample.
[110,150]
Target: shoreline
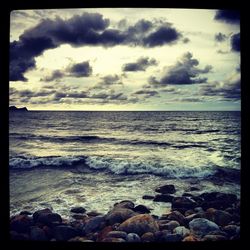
[209,216]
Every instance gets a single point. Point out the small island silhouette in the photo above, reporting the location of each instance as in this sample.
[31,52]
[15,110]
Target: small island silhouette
[14,108]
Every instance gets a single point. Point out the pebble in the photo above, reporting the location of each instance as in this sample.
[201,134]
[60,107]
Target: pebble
[132,237]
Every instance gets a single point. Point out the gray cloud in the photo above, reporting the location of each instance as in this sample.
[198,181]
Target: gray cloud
[87,29]
[222,52]
[146,93]
[185,71]
[235,42]
[219,37]
[228,16]
[56,74]
[140,65]
[228,89]
[82,69]
[107,81]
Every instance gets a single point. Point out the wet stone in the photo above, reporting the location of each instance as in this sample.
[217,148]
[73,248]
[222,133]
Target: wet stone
[139,224]
[64,233]
[78,210]
[117,234]
[201,226]
[148,197]
[166,189]
[132,237]
[141,209]
[148,237]
[37,233]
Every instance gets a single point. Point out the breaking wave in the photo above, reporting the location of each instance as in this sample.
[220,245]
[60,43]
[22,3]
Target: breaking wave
[117,166]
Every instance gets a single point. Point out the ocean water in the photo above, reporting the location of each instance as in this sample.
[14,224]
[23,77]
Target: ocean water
[93,159]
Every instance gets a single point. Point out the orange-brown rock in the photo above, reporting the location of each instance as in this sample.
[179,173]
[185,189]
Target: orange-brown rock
[190,238]
[139,224]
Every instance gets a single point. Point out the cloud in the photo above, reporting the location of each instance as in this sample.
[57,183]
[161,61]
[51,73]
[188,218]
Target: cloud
[228,16]
[235,42]
[161,36]
[56,74]
[219,37]
[222,52]
[107,81]
[75,70]
[22,55]
[86,29]
[228,89]
[146,93]
[140,65]
[80,70]
[185,71]
[74,95]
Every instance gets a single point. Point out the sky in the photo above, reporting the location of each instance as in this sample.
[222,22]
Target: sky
[125,59]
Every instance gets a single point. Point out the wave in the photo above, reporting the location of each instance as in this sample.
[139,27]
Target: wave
[118,141]
[118,166]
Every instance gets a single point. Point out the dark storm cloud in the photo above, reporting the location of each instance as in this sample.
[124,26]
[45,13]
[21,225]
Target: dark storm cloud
[219,37]
[185,71]
[229,89]
[22,55]
[140,65]
[228,16]
[235,42]
[80,70]
[87,29]
[161,36]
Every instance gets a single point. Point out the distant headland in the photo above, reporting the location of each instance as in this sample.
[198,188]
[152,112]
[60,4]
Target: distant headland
[14,108]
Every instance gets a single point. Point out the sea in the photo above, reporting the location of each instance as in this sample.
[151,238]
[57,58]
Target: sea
[64,159]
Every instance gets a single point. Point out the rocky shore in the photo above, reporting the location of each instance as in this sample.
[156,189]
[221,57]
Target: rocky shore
[209,216]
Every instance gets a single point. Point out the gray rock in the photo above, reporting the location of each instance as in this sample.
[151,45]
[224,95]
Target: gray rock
[125,204]
[40,212]
[78,210]
[21,223]
[220,217]
[231,230]
[109,239]
[94,224]
[64,233]
[214,238]
[183,231]
[49,218]
[132,237]
[163,198]
[176,215]
[184,203]
[37,233]
[148,197]
[18,236]
[117,234]
[141,209]
[201,226]
[148,237]
[171,225]
[118,215]
[172,238]
[166,189]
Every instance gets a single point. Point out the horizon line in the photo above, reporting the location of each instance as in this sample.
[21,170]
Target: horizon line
[68,110]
